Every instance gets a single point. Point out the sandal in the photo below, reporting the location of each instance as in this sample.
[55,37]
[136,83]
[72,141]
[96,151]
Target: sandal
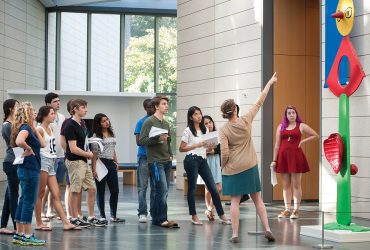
[225,221]
[209,215]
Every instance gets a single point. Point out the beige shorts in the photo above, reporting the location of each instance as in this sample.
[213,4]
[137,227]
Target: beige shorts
[80,176]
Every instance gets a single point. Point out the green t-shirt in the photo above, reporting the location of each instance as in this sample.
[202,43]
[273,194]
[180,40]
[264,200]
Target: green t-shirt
[156,150]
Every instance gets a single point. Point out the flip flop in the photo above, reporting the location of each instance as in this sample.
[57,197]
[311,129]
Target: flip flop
[72,228]
[44,228]
[6,231]
[45,219]
[173,224]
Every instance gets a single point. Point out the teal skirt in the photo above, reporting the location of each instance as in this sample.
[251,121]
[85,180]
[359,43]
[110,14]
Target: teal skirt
[247,182]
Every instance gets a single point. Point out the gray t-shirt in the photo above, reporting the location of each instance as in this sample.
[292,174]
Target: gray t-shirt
[6,130]
[108,151]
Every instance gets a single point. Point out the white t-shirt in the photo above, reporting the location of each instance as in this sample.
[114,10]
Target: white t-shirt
[190,139]
[56,127]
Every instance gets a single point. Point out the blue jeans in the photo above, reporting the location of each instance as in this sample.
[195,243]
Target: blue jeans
[29,181]
[160,179]
[11,194]
[142,185]
[61,171]
[111,179]
[193,166]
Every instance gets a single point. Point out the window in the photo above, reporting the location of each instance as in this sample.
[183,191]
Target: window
[139,54]
[73,46]
[105,52]
[167,54]
[51,50]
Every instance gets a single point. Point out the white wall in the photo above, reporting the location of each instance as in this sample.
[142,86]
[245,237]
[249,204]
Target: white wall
[219,57]
[359,120]
[22,48]
[123,112]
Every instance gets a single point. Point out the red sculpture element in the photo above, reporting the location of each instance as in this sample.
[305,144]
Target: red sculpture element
[333,149]
[354,169]
[338,14]
[356,73]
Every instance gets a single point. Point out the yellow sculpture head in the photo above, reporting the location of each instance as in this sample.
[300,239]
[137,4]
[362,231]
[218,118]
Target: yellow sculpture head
[345,16]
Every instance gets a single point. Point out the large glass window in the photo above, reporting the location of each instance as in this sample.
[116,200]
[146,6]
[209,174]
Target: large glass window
[139,54]
[73,46]
[51,50]
[105,52]
[167,54]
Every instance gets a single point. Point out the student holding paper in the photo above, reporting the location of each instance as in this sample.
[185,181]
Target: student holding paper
[45,117]
[239,161]
[11,193]
[159,156]
[25,135]
[102,129]
[213,160]
[195,163]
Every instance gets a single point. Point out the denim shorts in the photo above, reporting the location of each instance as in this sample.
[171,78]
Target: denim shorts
[48,165]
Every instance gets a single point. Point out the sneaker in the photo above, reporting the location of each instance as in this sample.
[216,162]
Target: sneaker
[142,218]
[17,239]
[84,218]
[95,222]
[284,214]
[80,223]
[117,220]
[103,220]
[32,241]
[294,214]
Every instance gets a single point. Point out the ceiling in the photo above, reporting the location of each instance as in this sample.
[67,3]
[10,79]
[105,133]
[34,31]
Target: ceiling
[144,4]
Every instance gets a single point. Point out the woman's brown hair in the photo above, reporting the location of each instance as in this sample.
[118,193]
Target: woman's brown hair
[227,108]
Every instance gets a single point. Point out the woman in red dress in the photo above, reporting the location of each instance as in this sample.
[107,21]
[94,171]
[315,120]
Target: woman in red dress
[289,159]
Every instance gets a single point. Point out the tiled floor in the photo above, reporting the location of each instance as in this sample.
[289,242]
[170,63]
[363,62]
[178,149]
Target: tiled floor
[133,235]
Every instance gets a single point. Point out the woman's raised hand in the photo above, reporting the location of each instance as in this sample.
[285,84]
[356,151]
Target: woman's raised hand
[273,79]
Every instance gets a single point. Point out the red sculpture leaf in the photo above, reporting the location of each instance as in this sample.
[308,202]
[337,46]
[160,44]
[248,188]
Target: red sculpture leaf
[333,149]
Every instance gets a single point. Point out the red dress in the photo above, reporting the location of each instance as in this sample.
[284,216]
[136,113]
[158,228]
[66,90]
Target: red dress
[291,159]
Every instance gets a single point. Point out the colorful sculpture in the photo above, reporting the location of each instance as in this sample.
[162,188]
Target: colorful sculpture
[344,21]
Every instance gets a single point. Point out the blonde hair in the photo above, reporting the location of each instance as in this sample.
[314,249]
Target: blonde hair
[227,108]
[23,115]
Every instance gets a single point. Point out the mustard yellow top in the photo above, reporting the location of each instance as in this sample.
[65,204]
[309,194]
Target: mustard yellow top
[237,149]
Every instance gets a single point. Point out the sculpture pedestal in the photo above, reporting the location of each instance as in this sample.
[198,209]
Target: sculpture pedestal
[335,235]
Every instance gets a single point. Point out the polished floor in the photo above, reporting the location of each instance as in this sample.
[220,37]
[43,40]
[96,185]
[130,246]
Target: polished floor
[212,235]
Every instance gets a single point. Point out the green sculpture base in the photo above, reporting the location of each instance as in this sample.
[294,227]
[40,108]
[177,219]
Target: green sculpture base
[353,227]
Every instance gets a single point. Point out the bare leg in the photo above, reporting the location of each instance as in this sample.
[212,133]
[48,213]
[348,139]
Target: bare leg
[66,200]
[235,214]
[297,190]
[42,184]
[73,203]
[287,190]
[44,200]
[54,190]
[79,211]
[90,201]
[261,210]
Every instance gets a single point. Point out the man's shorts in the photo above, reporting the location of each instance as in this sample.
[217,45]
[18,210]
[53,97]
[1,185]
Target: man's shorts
[80,176]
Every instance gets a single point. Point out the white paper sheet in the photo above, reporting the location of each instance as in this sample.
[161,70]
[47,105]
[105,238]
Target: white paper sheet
[97,141]
[101,170]
[273,177]
[154,131]
[211,138]
[18,152]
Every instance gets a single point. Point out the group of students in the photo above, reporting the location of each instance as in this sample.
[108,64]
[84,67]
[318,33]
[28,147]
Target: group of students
[233,162]
[57,140]
[56,150]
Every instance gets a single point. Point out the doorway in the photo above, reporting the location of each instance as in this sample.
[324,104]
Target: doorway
[296,58]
